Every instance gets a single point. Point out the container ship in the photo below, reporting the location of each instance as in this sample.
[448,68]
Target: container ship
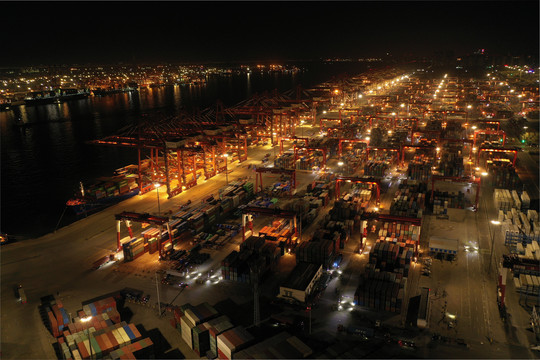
[49,97]
[104,192]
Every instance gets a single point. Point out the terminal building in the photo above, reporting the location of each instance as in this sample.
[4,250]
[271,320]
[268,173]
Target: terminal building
[300,282]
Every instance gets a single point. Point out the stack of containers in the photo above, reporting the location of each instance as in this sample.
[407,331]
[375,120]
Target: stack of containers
[214,331]
[232,341]
[451,165]
[319,252]
[375,168]
[404,234]
[519,228]
[528,285]
[193,316]
[57,316]
[409,200]
[101,342]
[443,200]
[123,186]
[133,248]
[525,201]
[201,335]
[285,161]
[503,200]
[420,168]
[389,256]
[515,198]
[142,349]
[503,174]
[381,291]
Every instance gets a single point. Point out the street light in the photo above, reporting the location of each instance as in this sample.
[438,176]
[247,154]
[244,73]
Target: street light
[157,185]
[86,319]
[496,223]
[226,156]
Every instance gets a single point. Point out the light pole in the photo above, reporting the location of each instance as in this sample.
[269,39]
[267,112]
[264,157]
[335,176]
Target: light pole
[86,319]
[496,223]
[226,156]
[273,145]
[309,309]
[158,299]
[157,185]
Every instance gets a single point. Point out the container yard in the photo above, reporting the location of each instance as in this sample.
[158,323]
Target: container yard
[339,227]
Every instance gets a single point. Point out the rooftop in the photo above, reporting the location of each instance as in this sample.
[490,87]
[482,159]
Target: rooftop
[301,276]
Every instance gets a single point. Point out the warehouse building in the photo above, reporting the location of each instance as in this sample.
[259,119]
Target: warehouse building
[300,282]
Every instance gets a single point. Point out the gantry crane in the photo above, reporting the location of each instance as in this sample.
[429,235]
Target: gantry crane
[128,217]
[496,150]
[292,138]
[365,180]
[490,132]
[246,217]
[261,170]
[310,148]
[342,140]
[403,147]
[458,179]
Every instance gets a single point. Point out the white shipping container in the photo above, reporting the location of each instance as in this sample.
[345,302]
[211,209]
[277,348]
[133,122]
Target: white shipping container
[186,326]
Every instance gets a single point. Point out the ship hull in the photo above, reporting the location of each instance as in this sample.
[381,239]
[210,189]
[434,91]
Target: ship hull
[95,205]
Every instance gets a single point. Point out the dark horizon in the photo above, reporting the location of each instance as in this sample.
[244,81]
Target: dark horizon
[187,32]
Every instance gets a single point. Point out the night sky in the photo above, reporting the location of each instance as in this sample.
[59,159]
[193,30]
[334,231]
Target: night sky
[75,32]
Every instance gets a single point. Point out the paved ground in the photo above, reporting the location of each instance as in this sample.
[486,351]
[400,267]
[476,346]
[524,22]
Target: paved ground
[61,262]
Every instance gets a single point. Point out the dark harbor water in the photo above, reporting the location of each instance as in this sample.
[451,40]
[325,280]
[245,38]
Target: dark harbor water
[44,149]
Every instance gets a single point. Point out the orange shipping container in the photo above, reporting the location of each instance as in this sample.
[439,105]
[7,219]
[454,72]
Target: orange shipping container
[112,340]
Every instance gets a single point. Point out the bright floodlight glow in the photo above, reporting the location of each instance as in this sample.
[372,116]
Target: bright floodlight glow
[474,127]
[324,112]
[156,185]
[477,169]
[368,138]
[495,222]
[484,173]
[340,163]
[469,106]
[226,155]
[360,96]
[86,319]
[402,105]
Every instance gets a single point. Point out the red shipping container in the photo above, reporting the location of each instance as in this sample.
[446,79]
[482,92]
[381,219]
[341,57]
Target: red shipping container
[222,356]
[82,350]
[100,342]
